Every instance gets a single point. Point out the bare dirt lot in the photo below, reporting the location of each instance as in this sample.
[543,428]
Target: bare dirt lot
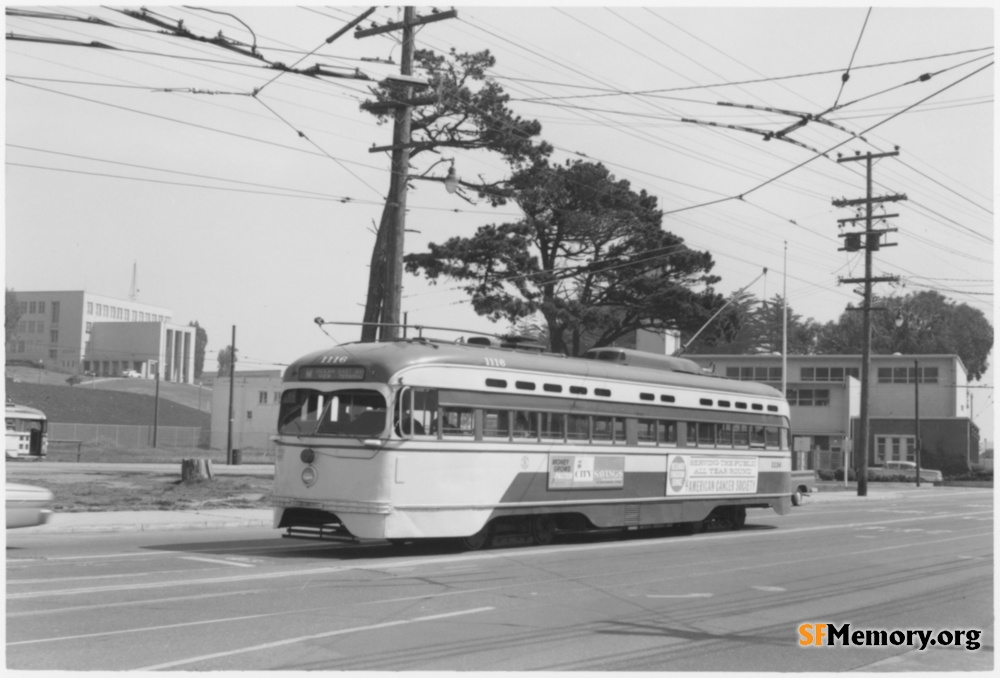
[114,490]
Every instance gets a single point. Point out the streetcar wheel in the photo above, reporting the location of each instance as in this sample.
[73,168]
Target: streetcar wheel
[543,530]
[797,498]
[693,528]
[478,540]
[738,517]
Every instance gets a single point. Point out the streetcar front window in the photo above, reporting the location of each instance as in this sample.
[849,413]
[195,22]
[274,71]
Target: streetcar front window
[354,413]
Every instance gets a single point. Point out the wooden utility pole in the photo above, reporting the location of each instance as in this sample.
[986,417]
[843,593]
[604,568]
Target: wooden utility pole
[232,379]
[385,286]
[871,238]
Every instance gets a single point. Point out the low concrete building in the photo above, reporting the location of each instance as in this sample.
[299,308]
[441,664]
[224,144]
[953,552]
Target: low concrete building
[256,400]
[824,392]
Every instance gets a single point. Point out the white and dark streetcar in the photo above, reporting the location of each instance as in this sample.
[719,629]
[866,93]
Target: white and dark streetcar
[419,438]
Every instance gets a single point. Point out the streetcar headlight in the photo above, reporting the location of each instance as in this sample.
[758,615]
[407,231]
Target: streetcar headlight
[308,455]
[309,475]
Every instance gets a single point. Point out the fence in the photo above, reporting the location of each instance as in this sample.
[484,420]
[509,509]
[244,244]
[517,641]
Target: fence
[130,436]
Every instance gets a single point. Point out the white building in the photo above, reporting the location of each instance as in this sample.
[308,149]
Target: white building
[256,400]
[80,332]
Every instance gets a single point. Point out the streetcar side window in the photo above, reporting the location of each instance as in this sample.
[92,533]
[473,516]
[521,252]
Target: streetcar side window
[706,433]
[525,425]
[553,426]
[496,424]
[417,412]
[601,429]
[724,435]
[458,422]
[646,431]
[741,435]
[578,427]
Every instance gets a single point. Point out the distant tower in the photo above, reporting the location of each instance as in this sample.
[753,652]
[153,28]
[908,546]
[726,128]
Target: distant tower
[134,291]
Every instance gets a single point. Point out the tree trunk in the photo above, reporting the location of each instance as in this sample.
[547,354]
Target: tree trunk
[376,278]
[196,469]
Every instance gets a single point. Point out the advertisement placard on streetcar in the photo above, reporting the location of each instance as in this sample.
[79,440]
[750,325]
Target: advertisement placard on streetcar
[689,474]
[585,471]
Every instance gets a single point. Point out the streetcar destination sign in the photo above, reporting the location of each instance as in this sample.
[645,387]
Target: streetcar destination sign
[331,373]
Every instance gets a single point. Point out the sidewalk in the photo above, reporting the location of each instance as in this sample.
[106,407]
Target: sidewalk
[148,521]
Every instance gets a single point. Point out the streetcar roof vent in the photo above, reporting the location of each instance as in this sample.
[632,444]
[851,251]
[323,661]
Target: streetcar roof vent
[508,341]
[627,356]
[483,341]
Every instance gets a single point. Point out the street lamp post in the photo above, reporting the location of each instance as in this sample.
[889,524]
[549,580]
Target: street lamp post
[156,406]
[916,415]
[900,321]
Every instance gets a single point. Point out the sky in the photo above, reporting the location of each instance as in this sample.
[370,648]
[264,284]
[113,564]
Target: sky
[258,211]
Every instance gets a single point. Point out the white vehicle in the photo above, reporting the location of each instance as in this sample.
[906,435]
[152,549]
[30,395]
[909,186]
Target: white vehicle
[27,432]
[27,505]
[906,468]
[422,438]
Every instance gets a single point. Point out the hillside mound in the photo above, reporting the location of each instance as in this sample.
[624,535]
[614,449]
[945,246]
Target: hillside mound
[75,405]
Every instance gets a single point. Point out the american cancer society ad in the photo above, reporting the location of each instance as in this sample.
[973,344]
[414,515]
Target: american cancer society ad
[689,475]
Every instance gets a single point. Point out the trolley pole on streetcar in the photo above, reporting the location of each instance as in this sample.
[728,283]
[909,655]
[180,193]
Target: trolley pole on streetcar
[871,240]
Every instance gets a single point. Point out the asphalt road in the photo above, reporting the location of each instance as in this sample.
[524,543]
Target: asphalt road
[245,599]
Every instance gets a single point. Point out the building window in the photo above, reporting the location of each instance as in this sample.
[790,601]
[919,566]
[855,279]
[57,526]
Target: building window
[52,353]
[262,397]
[808,397]
[90,308]
[24,307]
[89,325]
[41,307]
[907,375]
[249,414]
[834,374]
[894,448]
[32,307]
[54,336]
[754,373]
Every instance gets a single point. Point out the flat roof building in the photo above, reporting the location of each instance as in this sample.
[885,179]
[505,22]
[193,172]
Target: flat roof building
[824,392]
[78,331]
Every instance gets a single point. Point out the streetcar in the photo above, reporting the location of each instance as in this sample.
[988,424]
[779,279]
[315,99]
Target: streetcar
[482,442]
[27,432]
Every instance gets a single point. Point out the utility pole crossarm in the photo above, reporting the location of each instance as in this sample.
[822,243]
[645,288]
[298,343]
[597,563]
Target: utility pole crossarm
[869,201]
[416,21]
[852,220]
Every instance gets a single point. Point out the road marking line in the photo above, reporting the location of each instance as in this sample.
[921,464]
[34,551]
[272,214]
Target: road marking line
[679,595]
[769,589]
[316,636]
[217,561]
[144,601]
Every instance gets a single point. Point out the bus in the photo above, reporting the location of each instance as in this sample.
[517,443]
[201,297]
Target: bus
[484,443]
[27,432]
